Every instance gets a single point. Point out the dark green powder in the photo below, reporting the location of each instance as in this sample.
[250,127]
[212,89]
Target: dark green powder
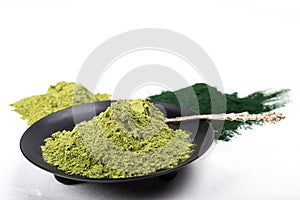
[129,139]
[257,102]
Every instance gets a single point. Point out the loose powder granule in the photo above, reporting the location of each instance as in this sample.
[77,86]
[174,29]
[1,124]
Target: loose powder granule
[129,139]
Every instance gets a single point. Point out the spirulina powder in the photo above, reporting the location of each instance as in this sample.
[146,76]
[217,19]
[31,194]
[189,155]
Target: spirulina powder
[129,139]
[257,102]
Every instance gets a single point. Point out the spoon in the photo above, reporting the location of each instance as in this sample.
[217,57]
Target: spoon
[242,117]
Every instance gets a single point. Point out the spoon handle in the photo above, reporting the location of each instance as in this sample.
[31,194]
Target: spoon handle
[242,117]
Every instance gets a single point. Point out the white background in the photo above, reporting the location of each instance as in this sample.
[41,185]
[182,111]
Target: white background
[255,45]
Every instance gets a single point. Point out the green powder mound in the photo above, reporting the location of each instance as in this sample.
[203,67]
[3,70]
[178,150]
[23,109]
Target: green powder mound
[129,139]
[257,102]
[59,96]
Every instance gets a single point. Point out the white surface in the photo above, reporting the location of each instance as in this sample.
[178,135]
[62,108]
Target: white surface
[43,42]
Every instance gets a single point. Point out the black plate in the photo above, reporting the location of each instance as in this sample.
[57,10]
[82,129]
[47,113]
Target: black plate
[33,138]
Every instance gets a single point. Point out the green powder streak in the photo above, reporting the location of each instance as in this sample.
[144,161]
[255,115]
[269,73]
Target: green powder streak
[111,145]
[257,102]
[59,96]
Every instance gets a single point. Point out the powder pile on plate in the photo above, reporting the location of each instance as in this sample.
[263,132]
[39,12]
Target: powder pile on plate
[129,139]
[59,96]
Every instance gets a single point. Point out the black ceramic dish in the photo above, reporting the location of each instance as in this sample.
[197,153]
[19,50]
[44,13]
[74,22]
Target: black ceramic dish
[33,138]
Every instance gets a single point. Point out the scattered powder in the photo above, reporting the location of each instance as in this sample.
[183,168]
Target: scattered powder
[257,102]
[59,96]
